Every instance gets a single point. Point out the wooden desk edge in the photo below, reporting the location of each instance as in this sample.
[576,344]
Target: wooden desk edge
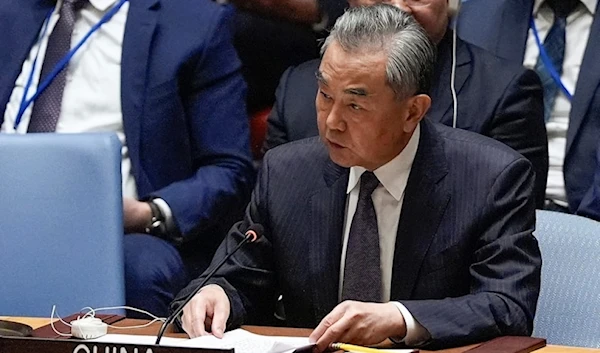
[36,322]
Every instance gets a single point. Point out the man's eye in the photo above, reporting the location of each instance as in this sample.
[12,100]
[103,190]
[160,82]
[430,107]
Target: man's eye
[354,106]
[325,95]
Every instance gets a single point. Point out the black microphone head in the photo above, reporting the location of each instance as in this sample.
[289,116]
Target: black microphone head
[255,231]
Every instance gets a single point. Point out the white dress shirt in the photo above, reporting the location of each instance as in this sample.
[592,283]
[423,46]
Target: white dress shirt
[92,95]
[577,33]
[387,200]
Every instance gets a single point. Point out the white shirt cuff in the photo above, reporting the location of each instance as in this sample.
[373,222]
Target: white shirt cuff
[416,334]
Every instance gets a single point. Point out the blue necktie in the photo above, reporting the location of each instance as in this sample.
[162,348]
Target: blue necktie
[554,44]
[46,108]
[362,269]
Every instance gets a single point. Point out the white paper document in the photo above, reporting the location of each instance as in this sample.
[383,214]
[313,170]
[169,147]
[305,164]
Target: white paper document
[240,340]
[246,342]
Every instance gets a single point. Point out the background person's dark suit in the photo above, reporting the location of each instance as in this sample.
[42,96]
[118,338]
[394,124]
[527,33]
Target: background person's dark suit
[465,232]
[502,27]
[187,144]
[496,98]
[590,205]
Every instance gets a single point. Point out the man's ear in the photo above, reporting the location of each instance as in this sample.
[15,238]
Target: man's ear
[417,108]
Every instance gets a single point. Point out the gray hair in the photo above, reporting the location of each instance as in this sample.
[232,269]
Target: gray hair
[411,54]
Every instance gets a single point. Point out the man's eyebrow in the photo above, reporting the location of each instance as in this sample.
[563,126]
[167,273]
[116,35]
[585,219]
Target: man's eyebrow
[320,78]
[357,91]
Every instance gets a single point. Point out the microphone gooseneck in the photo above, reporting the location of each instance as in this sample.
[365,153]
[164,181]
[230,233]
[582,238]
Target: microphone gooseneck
[254,232]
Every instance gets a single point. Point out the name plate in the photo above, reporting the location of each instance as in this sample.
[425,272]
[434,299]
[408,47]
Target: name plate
[42,345]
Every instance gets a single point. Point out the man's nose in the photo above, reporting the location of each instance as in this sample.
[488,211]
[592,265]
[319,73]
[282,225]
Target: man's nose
[335,120]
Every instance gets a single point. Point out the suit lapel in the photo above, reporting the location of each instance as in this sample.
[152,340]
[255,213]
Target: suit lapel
[587,83]
[327,208]
[21,28]
[139,32]
[424,205]
[442,103]
[513,29]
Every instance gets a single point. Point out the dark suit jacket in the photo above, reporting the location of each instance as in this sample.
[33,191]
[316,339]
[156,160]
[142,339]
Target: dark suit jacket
[496,98]
[590,205]
[466,264]
[502,26]
[182,102]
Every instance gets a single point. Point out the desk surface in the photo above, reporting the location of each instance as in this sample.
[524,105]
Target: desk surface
[36,322]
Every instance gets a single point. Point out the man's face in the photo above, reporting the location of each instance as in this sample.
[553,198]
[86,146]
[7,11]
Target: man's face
[431,14]
[360,119]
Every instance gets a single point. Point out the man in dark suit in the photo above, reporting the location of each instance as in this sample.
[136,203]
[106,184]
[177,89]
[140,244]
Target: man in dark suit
[164,76]
[506,28]
[390,225]
[495,97]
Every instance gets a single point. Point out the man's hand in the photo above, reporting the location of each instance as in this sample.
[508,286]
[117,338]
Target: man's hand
[359,323]
[209,309]
[136,215]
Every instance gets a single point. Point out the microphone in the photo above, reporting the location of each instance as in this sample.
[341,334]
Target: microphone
[254,232]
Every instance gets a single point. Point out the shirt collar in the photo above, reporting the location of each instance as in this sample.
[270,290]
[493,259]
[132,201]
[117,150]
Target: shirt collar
[102,5]
[394,174]
[590,5]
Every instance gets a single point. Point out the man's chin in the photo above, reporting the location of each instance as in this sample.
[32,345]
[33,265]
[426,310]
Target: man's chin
[339,160]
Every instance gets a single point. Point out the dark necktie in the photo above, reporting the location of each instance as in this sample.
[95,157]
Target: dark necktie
[554,44]
[362,270]
[46,108]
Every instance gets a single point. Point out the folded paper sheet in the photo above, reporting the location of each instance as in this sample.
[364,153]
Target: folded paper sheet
[241,340]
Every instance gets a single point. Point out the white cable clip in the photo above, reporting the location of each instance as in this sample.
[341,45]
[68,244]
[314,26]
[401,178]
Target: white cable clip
[88,328]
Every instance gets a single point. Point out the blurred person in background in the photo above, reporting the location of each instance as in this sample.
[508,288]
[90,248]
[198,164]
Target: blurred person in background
[272,35]
[164,76]
[559,39]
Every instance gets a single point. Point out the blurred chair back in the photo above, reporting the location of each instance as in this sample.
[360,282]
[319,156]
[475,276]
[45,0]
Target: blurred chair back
[61,223]
[568,311]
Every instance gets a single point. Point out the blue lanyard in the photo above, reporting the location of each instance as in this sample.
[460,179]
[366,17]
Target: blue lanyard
[548,63]
[61,64]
